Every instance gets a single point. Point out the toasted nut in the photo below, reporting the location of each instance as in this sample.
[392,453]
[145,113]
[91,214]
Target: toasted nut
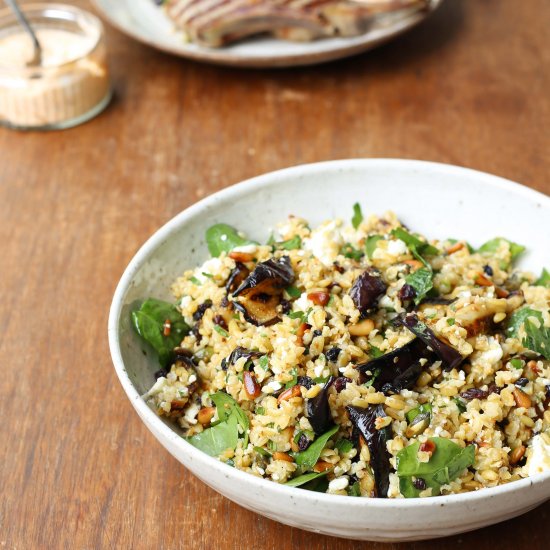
[415,264]
[517,454]
[363,328]
[289,394]
[251,387]
[455,248]
[282,456]
[302,329]
[501,292]
[500,316]
[241,256]
[427,447]
[322,466]
[167,327]
[533,366]
[481,280]
[177,405]
[205,415]
[320,298]
[521,398]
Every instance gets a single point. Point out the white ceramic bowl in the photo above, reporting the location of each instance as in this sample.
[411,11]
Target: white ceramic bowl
[435,199]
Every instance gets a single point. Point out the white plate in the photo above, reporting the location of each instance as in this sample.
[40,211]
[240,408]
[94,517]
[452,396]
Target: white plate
[146,22]
[434,199]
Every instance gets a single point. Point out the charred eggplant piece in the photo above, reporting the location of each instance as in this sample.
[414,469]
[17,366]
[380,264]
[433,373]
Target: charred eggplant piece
[239,273]
[261,292]
[364,424]
[366,290]
[448,355]
[236,354]
[318,410]
[398,369]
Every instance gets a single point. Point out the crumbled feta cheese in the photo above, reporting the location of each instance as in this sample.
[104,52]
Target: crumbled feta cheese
[539,461]
[338,484]
[158,386]
[397,248]
[246,248]
[318,370]
[492,355]
[302,303]
[325,242]
[191,414]
[185,301]
[214,267]
[272,386]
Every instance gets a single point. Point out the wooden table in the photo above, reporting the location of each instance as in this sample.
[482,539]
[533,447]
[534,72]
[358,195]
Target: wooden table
[78,468]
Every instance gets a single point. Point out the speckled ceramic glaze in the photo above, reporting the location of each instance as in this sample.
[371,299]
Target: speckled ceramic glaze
[434,199]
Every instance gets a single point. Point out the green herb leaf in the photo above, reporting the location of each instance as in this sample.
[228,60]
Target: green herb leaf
[354,490]
[293,292]
[537,339]
[490,247]
[357,216]
[370,244]
[544,279]
[263,362]
[221,331]
[414,243]
[445,465]
[215,440]
[375,352]
[516,363]
[344,446]
[305,478]
[413,413]
[224,238]
[149,321]
[262,451]
[460,404]
[195,281]
[308,458]
[451,321]
[422,282]
[291,244]
[349,251]
[518,318]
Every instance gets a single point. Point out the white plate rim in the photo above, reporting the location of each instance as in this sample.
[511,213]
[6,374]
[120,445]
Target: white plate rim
[223,56]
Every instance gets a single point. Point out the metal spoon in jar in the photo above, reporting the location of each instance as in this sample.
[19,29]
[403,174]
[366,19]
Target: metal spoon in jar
[36,60]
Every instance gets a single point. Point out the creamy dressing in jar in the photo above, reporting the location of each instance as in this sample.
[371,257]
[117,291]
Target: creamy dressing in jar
[72,83]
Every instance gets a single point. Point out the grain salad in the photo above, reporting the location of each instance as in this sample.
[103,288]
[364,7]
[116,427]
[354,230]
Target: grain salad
[358,358]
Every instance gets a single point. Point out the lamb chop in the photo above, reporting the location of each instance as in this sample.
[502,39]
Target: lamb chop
[215,23]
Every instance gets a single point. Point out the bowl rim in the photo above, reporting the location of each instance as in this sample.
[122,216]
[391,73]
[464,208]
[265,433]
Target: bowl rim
[154,422]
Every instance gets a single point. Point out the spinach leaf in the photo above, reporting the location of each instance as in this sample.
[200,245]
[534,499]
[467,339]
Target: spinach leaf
[421,281]
[344,446]
[215,440]
[305,478]
[490,247]
[291,244]
[227,407]
[517,319]
[223,238]
[413,413]
[544,279]
[293,292]
[148,322]
[354,490]
[415,245]
[349,251]
[370,244]
[225,433]
[357,216]
[445,465]
[308,458]
[537,339]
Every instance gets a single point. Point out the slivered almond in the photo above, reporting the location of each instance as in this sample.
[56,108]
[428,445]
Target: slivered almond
[481,280]
[319,298]
[501,292]
[322,466]
[282,456]
[251,387]
[521,398]
[301,331]
[205,415]
[363,328]
[517,454]
[415,264]
[167,327]
[289,394]
[241,256]
[455,248]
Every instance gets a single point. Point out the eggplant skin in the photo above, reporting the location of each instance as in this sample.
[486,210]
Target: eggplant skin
[363,421]
[366,290]
[239,273]
[318,410]
[236,354]
[398,369]
[261,292]
[446,353]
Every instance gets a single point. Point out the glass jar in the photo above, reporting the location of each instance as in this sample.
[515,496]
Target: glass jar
[72,83]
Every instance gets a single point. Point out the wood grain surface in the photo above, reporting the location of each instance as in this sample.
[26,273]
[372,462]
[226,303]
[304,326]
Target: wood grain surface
[78,469]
